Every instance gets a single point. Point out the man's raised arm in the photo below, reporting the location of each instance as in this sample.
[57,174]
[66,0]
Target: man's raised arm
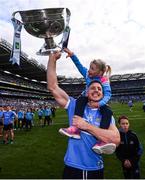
[52,84]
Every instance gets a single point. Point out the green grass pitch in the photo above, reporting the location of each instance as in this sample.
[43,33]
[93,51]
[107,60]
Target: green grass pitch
[38,154]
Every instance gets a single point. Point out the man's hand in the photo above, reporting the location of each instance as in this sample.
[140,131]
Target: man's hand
[70,53]
[80,122]
[56,55]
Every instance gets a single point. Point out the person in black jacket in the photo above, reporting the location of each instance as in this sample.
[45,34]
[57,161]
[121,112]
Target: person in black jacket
[129,151]
[143,107]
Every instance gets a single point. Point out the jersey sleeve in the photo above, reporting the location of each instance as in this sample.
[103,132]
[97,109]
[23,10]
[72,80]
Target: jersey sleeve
[83,70]
[106,90]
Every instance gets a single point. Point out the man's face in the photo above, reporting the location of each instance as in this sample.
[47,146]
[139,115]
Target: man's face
[95,92]
[124,124]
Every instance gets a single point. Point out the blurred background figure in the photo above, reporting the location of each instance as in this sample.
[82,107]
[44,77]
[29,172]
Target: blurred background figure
[130,105]
[143,107]
[40,113]
[1,123]
[129,151]
[53,109]
[47,114]
[20,115]
[9,117]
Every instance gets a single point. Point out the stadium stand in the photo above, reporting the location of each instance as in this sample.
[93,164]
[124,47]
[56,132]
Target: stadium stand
[128,86]
[28,81]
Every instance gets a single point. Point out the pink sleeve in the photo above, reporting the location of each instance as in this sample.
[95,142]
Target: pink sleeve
[104,79]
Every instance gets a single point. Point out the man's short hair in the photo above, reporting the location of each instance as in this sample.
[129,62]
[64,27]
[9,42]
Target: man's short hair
[95,81]
[122,117]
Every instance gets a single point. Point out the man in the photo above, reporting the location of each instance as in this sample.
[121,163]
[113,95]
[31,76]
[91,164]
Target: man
[47,115]
[129,151]
[8,116]
[40,116]
[80,160]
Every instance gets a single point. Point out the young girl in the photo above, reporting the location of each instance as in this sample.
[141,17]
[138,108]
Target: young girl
[101,72]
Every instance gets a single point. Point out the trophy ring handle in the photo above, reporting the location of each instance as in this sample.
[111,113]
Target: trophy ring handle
[13,16]
[68,12]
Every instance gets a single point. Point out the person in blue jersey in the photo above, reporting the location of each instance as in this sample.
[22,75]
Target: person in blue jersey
[1,121]
[40,116]
[129,150]
[20,115]
[47,115]
[81,162]
[8,115]
[29,118]
[98,70]
[15,124]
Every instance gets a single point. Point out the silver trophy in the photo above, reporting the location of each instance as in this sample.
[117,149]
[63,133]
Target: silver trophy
[47,24]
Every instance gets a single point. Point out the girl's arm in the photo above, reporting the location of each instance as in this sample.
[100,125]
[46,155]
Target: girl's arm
[107,92]
[83,70]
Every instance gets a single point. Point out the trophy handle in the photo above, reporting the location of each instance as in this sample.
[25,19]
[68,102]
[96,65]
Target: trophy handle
[68,12]
[66,31]
[13,16]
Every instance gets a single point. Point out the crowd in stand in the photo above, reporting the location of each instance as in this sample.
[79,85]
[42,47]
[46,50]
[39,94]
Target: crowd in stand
[125,99]
[25,102]
[13,79]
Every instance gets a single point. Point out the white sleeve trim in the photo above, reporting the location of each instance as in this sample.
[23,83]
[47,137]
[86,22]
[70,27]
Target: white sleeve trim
[67,104]
[113,120]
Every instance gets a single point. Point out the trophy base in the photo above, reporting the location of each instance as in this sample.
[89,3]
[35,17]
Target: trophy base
[46,52]
[48,47]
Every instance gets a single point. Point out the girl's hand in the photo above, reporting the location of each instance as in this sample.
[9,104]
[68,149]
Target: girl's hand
[70,53]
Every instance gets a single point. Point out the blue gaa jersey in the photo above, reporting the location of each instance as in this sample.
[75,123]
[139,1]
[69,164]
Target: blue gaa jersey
[9,117]
[79,152]
[1,114]
[47,112]
[20,114]
[29,116]
[40,112]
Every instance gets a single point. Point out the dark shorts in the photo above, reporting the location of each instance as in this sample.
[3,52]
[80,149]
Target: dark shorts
[20,119]
[1,123]
[8,127]
[74,173]
[40,117]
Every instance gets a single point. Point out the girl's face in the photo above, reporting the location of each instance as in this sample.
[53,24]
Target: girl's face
[124,124]
[94,70]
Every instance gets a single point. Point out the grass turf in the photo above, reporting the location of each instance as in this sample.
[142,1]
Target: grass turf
[38,154]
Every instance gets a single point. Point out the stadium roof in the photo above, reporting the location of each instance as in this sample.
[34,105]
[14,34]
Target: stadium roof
[127,77]
[28,68]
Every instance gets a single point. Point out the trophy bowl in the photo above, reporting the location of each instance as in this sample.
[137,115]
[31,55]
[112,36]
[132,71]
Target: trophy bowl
[47,24]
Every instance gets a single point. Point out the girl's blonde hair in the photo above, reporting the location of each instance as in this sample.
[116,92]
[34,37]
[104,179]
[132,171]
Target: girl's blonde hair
[106,69]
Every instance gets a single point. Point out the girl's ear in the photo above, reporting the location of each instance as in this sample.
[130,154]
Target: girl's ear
[101,73]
